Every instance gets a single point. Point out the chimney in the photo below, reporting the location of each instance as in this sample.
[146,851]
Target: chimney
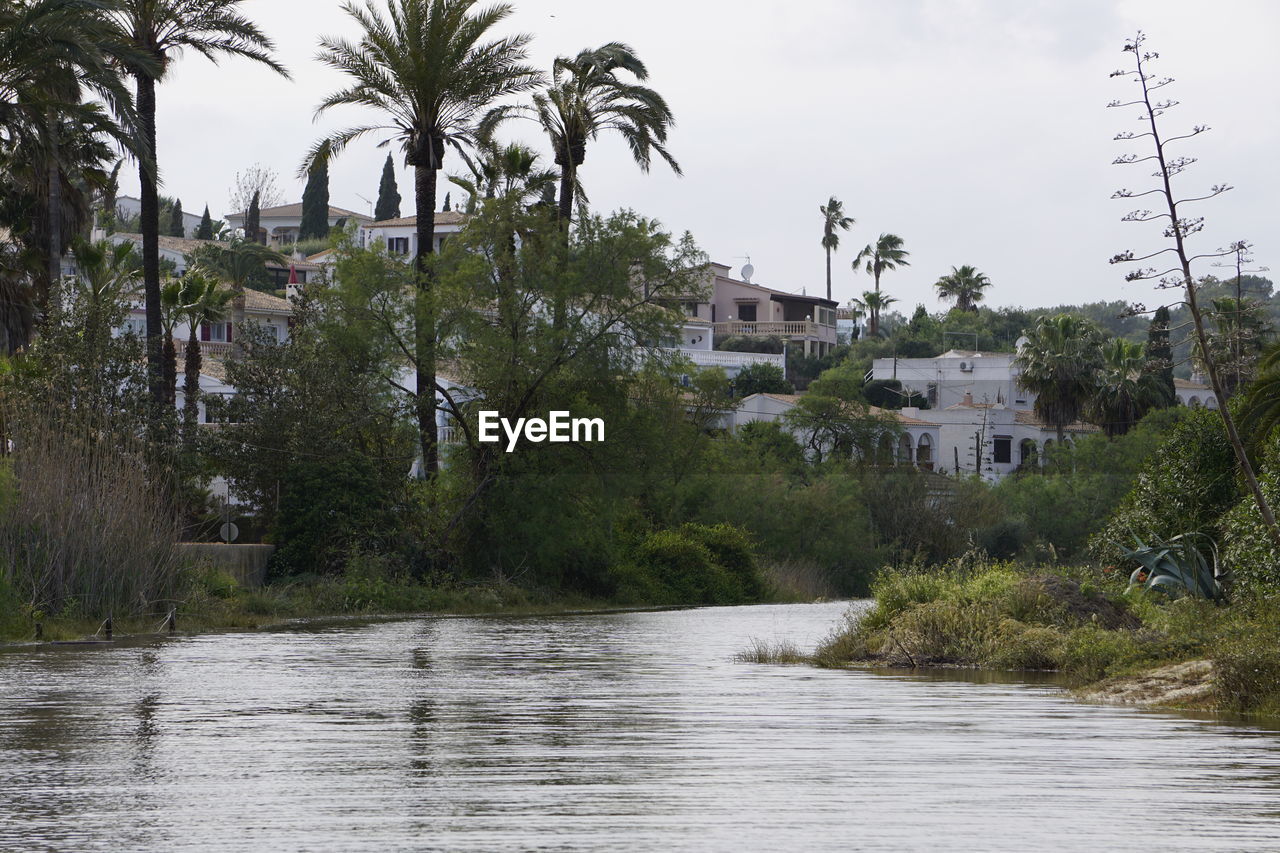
[968,398]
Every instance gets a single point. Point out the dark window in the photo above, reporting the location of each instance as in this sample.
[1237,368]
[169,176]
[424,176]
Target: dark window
[747,313]
[1003,449]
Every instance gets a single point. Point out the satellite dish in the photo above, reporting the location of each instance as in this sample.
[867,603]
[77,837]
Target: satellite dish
[747,272]
[229,532]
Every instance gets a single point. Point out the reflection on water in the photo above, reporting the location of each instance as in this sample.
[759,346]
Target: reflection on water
[622,731]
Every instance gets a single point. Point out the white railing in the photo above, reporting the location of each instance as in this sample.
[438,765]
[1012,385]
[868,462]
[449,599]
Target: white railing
[725,358]
[449,435]
[798,328]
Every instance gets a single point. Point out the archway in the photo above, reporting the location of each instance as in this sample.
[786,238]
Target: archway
[924,452]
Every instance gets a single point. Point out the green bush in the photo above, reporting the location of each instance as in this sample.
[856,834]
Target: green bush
[1186,486]
[1247,669]
[694,564]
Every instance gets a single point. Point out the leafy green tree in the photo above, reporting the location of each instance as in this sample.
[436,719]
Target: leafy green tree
[315,204]
[883,255]
[761,378]
[160,30]
[1060,364]
[427,73]
[205,229]
[964,285]
[388,206]
[1126,389]
[834,421]
[1160,355]
[177,222]
[833,222]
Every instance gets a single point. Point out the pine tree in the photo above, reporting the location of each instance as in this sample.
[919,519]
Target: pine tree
[205,231]
[177,223]
[1160,353]
[251,219]
[388,195]
[315,204]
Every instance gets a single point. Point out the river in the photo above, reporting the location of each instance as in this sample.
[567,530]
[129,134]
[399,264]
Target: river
[633,731]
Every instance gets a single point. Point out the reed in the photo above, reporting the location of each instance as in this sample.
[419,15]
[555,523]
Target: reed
[84,532]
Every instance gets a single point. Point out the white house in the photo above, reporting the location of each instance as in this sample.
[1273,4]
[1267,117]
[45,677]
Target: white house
[1195,393]
[280,225]
[946,379]
[992,439]
[917,445]
[400,236]
[128,207]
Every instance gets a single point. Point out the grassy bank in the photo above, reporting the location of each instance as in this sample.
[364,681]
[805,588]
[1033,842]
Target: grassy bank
[211,600]
[1082,622]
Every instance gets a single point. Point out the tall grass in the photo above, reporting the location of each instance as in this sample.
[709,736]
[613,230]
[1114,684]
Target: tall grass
[83,532]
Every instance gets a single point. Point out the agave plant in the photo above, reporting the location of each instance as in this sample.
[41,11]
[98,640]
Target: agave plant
[1178,566]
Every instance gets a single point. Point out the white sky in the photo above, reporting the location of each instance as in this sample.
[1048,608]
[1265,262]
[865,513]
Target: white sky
[975,129]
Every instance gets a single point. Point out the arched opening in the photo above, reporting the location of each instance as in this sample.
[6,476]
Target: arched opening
[1194,402]
[1210,403]
[905,450]
[924,452]
[884,450]
[1049,447]
[1028,453]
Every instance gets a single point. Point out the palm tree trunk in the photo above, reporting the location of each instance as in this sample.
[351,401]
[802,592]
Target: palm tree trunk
[150,225]
[170,370]
[191,389]
[425,314]
[828,272]
[54,175]
[567,179]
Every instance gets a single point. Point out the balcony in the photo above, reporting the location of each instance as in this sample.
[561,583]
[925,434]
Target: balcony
[723,358]
[783,329]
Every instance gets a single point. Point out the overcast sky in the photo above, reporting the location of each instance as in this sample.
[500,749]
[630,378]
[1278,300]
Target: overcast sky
[974,129]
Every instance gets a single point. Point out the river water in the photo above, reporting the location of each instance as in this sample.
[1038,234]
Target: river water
[620,731]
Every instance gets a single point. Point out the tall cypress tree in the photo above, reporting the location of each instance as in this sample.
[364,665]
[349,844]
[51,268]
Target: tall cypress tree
[1160,352]
[448,204]
[388,194]
[251,220]
[315,204]
[177,222]
[205,231]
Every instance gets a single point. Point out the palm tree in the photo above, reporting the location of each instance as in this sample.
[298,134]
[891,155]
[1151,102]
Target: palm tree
[1060,363]
[426,70]
[833,222]
[239,263]
[870,306]
[108,276]
[207,303]
[1240,334]
[964,285]
[509,171]
[1126,388]
[586,96]
[884,254]
[161,30]
[173,311]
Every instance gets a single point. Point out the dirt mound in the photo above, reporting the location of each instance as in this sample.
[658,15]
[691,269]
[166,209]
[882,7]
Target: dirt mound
[1083,606]
[1178,685]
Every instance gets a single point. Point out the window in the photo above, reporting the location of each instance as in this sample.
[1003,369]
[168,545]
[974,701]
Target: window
[690,309]
[398,245]
[747,312]
[1003,451]
[216,332]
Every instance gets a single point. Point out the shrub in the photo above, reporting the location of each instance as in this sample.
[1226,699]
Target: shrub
[1247,670]
[695,564]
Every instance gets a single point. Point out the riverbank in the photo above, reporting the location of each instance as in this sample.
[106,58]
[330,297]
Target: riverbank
[214,601]
[1110,643]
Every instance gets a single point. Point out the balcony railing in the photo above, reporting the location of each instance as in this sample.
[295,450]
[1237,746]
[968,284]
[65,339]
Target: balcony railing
[215,348]
[723,358]
[788,328]
[449,435]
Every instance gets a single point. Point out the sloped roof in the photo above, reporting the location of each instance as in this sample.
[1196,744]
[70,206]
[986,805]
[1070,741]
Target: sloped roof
[1188,385]
[444,217]
[185,246]
[292,211]
[256,300]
